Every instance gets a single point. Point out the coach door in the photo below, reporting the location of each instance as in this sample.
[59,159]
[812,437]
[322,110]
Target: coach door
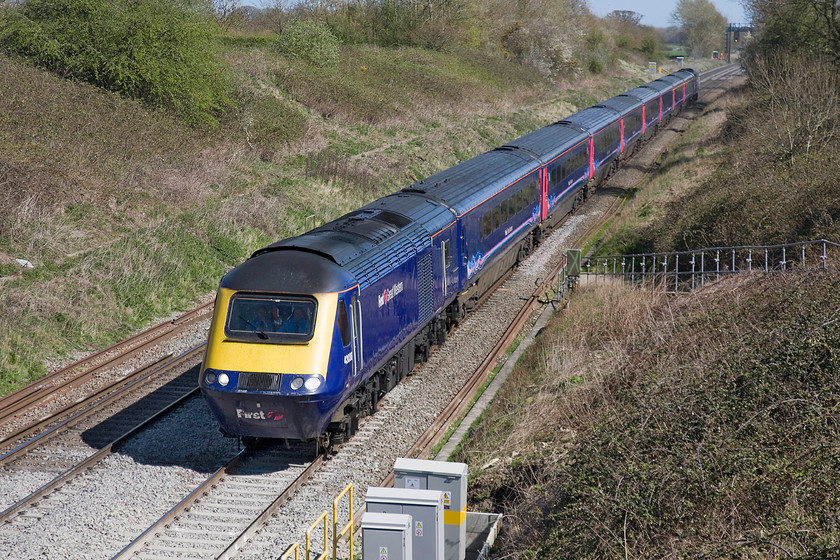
[543,182]
[356,326]
[448,261]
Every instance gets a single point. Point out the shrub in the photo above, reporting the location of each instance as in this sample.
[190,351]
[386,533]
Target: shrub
[161,51]
[311,41]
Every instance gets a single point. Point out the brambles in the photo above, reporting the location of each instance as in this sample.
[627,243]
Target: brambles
[160,51]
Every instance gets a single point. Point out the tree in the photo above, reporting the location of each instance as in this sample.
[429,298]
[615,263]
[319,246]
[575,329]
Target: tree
[704,27]
[160,51]
[625,16]
[807,27]
[227,13]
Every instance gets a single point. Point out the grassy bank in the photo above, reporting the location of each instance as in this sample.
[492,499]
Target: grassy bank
[128,214]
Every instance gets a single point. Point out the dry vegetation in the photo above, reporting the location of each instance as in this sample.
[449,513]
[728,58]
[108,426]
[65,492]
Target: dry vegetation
[647,426]
[644,425]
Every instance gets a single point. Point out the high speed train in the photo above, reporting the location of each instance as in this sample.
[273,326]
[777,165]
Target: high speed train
[310,332]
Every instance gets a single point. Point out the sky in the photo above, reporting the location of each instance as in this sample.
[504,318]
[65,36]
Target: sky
[658,12]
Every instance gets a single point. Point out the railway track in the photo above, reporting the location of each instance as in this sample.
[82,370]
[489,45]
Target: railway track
[74,439]
[222,513]
[256,502]
[29,405]
[177,535]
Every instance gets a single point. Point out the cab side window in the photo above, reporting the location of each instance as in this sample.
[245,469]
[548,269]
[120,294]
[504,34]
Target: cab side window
[343,323]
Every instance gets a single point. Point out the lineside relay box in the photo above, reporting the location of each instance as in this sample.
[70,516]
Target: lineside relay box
[449,478]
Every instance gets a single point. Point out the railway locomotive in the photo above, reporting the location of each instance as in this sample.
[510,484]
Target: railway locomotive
[309,332]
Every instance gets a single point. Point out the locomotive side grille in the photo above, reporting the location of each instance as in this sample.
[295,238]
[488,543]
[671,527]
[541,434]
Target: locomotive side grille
[425,287]
[258,381]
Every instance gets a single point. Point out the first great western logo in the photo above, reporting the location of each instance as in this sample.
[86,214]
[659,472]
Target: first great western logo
[387,295]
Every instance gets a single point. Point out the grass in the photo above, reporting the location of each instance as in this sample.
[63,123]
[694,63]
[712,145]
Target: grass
[129,215]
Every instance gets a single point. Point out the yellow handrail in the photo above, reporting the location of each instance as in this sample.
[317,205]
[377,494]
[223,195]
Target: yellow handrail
[349,527]
[294,548]
[323,555]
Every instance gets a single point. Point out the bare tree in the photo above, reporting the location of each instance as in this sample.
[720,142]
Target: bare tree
[801,99]
[227,13]
[704,27]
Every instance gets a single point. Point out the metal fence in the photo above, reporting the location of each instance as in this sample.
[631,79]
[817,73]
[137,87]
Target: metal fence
[688,270]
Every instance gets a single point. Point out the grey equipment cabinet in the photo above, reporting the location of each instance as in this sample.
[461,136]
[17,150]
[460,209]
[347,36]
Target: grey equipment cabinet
[386,536]
[426,510]
[449,478]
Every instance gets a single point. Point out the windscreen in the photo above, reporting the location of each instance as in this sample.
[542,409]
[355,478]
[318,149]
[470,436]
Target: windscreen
[270,318]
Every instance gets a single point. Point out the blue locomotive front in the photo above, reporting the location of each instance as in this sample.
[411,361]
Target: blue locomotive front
[280,354]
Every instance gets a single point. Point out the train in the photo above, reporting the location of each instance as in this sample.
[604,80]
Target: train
[310,332]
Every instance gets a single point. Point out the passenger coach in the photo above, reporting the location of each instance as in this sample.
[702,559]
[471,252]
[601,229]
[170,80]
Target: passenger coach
[310,332]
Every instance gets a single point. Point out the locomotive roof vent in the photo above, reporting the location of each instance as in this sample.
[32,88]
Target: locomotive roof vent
[386,216]
[421,187]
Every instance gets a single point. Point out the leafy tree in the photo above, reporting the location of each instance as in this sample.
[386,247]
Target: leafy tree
[311,41]
[704,27]
[161,51]
[806,27]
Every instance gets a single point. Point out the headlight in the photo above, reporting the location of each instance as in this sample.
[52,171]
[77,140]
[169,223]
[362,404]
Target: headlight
[313,383]
[297,383]
[224,379]
[210,378]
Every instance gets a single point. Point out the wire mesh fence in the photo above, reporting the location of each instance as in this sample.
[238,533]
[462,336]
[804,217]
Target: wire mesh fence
[688,270]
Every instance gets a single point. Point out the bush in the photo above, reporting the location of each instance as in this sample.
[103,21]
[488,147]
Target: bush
[311,41]
[161,51]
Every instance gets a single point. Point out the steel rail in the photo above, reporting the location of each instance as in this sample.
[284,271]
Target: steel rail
[425,443]
[79,372]
[462,401]
[90,406]
[7,514]
[257,524]
[39,431]
[149,534]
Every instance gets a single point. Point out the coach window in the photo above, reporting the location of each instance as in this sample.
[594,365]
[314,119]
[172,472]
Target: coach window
[488,226]
[652,110]
[447,254]
[496,215]
[343,323]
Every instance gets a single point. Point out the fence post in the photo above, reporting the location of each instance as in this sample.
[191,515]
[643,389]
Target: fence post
[348,527]
[677,273]
[749,260]
[784,258]
[693,270]
[823,257]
